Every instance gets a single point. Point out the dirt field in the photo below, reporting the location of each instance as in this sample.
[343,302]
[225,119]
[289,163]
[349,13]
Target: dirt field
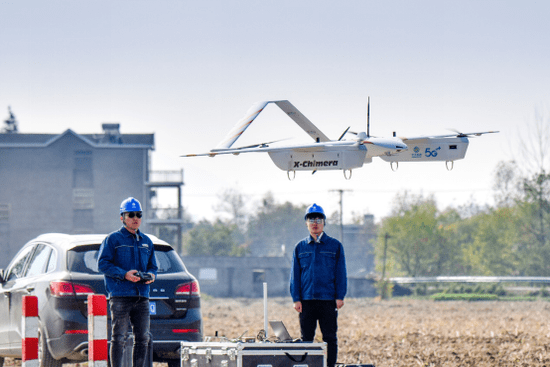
[409,332]
[406,332]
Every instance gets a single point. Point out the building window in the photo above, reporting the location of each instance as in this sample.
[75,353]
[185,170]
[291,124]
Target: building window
[83,192]
[258,276]
[210,274]
[82,173]
[4,223]
[83,199]
[4,212]
[83,221]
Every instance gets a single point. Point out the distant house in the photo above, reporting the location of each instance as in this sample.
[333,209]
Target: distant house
[229,277]
[225,276]
[71,183]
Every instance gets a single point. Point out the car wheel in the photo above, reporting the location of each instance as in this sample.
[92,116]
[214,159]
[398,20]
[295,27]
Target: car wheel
[174,363]
[45,359]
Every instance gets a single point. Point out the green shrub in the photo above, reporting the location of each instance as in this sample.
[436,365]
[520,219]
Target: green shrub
[479,289]
[464,297]
[534,293]
[421,289]
[500,291]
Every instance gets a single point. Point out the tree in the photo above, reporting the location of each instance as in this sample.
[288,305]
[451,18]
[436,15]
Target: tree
[534,236]
[233,202]
[507,184]
[208,239]
[534,145]
[448,257]
[415,243]
[492,247]
[274,225]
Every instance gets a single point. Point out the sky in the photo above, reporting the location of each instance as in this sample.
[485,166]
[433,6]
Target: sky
[187,71]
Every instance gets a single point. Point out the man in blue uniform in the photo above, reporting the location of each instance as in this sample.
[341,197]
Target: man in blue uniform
[127,258]
[318,282]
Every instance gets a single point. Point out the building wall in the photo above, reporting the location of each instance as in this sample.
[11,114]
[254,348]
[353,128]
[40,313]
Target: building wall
[358,246]
[68,186]
[228,277]
[220,276]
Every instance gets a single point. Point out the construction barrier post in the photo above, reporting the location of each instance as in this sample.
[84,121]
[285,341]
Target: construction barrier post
[29,328]
[97,331]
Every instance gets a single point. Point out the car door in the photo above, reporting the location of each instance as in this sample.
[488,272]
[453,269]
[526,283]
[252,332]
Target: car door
[26,285]
[14,271]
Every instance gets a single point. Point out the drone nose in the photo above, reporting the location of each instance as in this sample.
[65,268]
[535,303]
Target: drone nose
[401,148]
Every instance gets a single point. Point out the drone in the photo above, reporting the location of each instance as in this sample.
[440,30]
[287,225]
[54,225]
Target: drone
[325,154]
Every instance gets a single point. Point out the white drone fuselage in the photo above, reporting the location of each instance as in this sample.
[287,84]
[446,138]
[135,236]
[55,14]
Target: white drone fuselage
[327,154]
[431,150]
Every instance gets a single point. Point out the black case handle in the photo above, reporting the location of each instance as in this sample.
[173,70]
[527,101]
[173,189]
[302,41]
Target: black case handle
[295,360]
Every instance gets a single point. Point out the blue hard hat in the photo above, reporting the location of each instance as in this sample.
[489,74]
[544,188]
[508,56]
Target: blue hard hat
[130,205]
[315,209]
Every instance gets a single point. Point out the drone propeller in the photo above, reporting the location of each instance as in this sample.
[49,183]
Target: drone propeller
[460,134]
[368,117]
[344,133]
[365,135]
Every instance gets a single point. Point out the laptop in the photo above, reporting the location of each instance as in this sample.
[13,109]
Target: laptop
[280,331]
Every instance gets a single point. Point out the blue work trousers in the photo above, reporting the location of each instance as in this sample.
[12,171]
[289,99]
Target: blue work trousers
[126,312]
[326,314]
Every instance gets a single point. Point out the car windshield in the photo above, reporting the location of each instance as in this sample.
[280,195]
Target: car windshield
[83,259]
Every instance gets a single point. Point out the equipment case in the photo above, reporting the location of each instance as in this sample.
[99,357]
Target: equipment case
[264,354]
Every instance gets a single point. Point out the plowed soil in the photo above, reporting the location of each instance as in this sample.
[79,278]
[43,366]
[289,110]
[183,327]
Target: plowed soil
[405,332]
[409,332]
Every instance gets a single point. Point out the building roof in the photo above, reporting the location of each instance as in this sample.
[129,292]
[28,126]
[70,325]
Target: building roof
[105,140]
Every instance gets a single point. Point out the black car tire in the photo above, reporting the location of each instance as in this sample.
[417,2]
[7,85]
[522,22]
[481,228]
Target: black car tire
[45,359]
[174,363]
[1,361]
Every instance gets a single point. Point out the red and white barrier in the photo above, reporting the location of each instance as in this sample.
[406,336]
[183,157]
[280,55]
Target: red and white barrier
[29,329]
[97,331]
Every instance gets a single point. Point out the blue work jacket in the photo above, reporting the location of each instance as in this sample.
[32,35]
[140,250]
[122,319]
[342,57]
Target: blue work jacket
[120,252]
[318,270]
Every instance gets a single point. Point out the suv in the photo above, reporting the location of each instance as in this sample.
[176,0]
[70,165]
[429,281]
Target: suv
[61,270]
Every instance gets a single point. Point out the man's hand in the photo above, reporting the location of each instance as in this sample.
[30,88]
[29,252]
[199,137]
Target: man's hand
[298,306]
[339,303]
[131,276]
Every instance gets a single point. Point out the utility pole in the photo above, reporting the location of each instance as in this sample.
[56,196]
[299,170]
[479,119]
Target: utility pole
[386,237]
[384,290]
[341,192]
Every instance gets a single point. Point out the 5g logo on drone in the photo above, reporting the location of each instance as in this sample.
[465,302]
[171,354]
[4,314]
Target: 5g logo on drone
[431,153]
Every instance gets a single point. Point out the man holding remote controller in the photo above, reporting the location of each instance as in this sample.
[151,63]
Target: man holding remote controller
[127,258]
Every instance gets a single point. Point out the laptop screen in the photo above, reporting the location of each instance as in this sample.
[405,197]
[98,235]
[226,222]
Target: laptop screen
[280,330]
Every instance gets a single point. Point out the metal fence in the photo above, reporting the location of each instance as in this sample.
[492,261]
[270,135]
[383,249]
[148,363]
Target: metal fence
[469,279]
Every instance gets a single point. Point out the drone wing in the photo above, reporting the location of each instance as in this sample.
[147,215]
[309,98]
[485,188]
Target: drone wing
[255,110]
[457,135]
[302,121]
[264,148]
[241,126]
